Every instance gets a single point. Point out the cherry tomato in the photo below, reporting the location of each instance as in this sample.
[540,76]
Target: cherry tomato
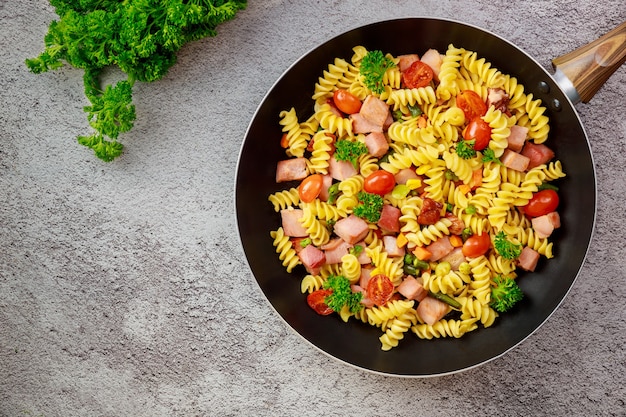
[346,101]
[316,300]
[471,104]
[379,289]
[542,202]
[310,187]
[476,245]
[379,182]
[478,130]
[417,75]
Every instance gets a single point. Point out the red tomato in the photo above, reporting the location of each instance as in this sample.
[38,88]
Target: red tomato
[316,300]
[310,187]
[346,101]
[417,75]
[476,245]
[379,182]
[471,104]
[379,289]
[478,130]
[543,202]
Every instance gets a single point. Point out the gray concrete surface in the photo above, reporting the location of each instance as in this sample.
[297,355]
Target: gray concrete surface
[123,289]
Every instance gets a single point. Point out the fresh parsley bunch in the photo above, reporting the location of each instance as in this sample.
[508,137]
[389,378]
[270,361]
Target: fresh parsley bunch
[141,37]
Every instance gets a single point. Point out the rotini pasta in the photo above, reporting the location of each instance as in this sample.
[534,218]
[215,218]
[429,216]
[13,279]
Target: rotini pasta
[393,232]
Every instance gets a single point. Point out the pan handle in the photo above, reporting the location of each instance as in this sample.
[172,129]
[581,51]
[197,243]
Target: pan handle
[583,71]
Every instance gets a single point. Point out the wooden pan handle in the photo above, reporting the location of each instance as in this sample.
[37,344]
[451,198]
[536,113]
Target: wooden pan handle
[589,66]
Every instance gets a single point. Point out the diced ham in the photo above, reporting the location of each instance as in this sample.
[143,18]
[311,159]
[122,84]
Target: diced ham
[433,58]
[362,257]
[412,289]
[537,154]
[291,169]
[545,225]
[375,110]
[391,246]
[352,229]
[337,251]
[405,61]
[457,226]
[406,174]
[312,258]
[439,248]
[340,170]
[296,243]
[499,99]
[555,219]
[366,274]
[528,259]
[361,125]
[542,226]
[388,122]
[514,160]
[327,181]
[455,258]
[291,222]
[390,218]
[517,138]
[431,310]
[377,144]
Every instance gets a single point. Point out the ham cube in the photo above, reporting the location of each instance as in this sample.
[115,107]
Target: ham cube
[405,61]
[406,174]
[377,144]
[439,248]
[366,274]
[335,250]
[312,258]
[412,289]
[340,170]
[327,181]
[537,154]
[517,138]
[433,59]
[362,257]
[352,229]
[542,226]
[291,222]
[430,310]
[390,218]
[375,110]
[391,246]
[361,125]
[545,225]
[555,219]
[291,169]
[528,259]
[514,160]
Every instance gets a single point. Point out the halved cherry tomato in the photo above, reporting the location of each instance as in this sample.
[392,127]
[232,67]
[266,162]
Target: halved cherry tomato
[310,187]
[316,300]
[542,202]
[479,131]
[346,101]
[419,74]
[379,182]
[471,104]
[379,289]
[476,245]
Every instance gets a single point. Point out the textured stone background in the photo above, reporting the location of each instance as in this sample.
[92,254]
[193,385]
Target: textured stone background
[123,289]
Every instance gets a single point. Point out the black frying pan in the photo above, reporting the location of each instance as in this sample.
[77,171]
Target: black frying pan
[355,343]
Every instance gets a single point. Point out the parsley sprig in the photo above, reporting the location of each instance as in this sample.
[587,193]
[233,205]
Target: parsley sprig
[373,67]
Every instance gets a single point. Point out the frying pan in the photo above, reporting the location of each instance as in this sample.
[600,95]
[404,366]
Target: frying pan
[355,343]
